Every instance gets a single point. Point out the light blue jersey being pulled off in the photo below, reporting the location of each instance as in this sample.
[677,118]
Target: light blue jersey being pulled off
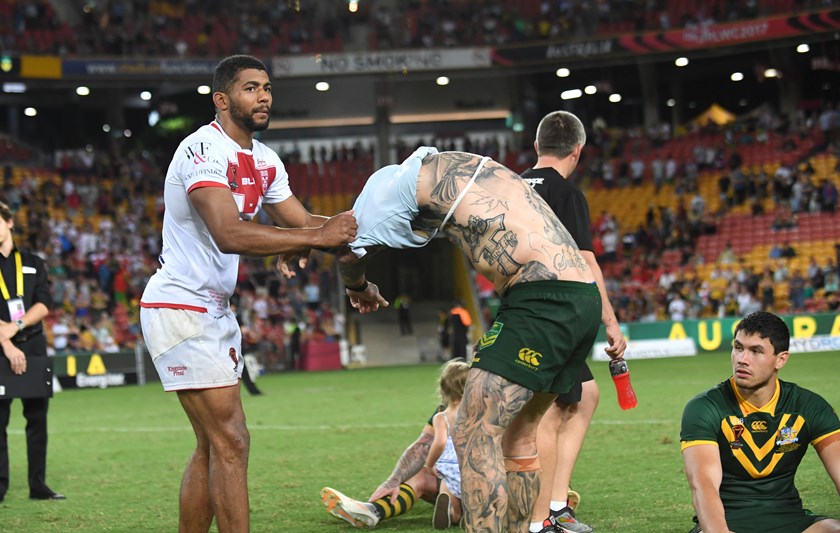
[387,206]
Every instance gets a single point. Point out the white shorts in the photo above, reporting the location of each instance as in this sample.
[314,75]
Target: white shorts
[193,350]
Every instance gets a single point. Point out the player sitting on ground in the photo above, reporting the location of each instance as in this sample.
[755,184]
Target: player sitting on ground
[395,496]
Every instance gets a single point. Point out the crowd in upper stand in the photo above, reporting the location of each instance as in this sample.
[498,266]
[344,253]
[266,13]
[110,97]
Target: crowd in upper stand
[96,218]
[135,28]
[662,269]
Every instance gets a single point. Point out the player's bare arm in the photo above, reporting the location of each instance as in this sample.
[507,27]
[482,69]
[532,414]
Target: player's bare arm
[366,297]
[705,474]
[218,210]
[439,442]
[290,213]
[407,466]
[352,268]
[829,452]
[615,339]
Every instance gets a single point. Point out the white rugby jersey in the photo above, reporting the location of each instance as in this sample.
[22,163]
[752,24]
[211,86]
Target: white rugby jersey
[194,273]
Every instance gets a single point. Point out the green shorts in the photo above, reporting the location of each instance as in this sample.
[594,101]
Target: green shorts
[771,519]
[542,335]
[767,519]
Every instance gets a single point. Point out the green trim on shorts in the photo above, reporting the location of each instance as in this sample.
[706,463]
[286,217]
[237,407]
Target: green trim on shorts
[542,334]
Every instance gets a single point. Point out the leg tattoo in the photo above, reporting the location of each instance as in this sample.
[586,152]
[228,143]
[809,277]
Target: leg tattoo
[489,404]
[524,488]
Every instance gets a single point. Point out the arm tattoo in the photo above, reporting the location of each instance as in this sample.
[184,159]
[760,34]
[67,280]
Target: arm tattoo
[411,460]
[352,271]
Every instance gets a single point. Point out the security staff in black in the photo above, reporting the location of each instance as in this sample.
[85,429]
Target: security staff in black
[24,288]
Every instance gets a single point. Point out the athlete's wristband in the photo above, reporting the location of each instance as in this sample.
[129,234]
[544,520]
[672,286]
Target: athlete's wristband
[361,288]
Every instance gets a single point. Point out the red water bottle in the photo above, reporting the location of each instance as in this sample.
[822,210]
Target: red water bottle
[621,377]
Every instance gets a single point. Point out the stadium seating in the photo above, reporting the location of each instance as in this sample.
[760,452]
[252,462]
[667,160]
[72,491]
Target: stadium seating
[213,32]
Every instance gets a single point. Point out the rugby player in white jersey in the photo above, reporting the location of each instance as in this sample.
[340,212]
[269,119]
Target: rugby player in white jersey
[219,178]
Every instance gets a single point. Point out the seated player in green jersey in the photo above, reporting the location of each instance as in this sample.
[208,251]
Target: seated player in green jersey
[743,440]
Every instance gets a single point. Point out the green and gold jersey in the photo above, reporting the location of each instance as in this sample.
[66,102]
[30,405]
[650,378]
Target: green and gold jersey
[760,447]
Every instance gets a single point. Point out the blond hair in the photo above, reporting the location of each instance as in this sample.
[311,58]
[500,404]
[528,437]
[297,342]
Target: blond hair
[453,378]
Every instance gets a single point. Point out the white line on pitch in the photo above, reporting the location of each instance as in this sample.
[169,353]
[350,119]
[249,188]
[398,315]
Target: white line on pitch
[318,427]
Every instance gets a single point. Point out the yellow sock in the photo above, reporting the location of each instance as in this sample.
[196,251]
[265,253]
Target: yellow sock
[405,501]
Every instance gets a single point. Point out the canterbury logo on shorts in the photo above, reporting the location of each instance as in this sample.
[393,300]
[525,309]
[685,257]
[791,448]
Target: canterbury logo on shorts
[530,358]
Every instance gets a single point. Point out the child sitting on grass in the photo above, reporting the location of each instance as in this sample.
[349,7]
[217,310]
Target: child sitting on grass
[442,460]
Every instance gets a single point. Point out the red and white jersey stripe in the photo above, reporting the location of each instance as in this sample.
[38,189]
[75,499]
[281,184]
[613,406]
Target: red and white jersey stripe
[194,273]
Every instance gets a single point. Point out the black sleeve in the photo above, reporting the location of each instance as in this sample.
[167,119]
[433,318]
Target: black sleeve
[570,206]
[41,293]
[575,216]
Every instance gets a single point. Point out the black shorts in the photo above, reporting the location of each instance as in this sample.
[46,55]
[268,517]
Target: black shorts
[574,395]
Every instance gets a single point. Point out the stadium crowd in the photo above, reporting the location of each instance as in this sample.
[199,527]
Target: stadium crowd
[95,216]
[163,28]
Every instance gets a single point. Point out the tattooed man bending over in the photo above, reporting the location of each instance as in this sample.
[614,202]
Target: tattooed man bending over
[541,335]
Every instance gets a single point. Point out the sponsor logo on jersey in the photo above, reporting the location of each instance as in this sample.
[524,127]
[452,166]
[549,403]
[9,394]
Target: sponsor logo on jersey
[737,431]
[529,358]
[534,181]
[198,152]
[200,172]
[176,370]
[759,457]
[490,337]
[234,357]
[231,174]
[758,426]
[786,440]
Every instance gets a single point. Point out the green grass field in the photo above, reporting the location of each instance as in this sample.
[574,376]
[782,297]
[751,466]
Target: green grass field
[118,454]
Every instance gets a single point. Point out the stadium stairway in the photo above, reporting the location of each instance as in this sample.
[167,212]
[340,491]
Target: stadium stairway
[380,334]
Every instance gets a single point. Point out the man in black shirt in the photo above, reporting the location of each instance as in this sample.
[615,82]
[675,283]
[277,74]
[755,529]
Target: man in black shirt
[26,300]
[559,142]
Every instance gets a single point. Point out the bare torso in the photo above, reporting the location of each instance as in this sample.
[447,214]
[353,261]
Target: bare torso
[509,233]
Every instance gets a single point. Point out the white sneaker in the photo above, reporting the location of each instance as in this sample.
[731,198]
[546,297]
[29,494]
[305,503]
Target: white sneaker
[359,514]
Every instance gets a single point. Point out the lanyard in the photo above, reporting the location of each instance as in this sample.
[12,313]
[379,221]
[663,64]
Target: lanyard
[18,279]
